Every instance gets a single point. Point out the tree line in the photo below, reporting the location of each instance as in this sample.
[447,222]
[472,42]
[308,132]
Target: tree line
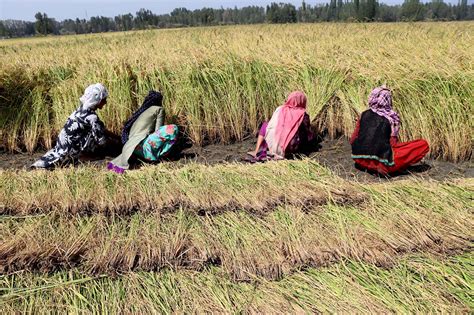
[335,10]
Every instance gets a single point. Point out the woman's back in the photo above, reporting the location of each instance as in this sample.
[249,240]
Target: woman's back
[374,138]
[147,121]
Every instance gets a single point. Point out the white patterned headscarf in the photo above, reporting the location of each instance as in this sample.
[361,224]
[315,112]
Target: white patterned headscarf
[93,95]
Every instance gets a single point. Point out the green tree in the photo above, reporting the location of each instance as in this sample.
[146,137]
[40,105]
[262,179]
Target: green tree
[282,13]
[357,8]
[438,10]
[40,24]
[412,10]
[3,30]
[44,25]
[463,10]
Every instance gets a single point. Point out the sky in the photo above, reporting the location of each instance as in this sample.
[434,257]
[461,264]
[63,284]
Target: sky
[60,10]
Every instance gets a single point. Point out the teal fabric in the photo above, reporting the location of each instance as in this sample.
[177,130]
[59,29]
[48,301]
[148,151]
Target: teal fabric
[158,144]
[147,123]
[373,157]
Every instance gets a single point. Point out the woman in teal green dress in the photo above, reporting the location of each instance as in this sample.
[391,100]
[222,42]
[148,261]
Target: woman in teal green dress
[144,135]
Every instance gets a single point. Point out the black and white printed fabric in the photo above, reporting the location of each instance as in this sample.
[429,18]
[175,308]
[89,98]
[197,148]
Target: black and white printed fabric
[83,131]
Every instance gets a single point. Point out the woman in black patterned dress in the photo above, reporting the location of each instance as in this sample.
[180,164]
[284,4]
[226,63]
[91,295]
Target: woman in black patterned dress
[83,132]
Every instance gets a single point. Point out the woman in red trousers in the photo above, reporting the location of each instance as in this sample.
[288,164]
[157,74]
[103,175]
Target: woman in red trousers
[375,145]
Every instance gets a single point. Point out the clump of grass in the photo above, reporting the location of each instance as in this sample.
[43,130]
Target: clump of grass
[25,108]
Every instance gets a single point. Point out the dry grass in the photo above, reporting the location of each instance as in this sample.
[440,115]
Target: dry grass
[224,81]
[163,188]
[233,238]
[416,284]
[393,219]
[288,236]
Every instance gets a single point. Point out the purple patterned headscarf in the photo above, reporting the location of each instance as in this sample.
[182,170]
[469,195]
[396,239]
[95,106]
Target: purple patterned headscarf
[380,102]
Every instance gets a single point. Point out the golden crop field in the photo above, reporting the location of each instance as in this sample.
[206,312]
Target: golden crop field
[221,82]
[291,236]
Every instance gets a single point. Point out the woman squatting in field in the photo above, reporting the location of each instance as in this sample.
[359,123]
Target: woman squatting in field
[375,145]
[288,131]
[83,132]
[144,135]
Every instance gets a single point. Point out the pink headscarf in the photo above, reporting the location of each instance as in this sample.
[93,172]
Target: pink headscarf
[290,118]
[380,102]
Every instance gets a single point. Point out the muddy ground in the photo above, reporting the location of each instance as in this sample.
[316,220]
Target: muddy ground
[335,154]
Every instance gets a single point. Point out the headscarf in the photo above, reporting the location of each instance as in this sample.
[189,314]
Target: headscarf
[153,99]
[93,95]
[380,102]
[285,123]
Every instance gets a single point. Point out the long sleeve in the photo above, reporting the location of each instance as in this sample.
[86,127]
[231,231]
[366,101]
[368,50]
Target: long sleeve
[355,134]
[98,129]
[160,117]
[142,127]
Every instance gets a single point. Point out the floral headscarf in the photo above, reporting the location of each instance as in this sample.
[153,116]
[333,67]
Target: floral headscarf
[380,102]
[93,95]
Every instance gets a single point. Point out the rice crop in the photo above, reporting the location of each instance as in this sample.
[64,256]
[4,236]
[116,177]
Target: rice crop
[221,82]
[203,189]
[416,284]
[290,233]
[83,223]
[288,236]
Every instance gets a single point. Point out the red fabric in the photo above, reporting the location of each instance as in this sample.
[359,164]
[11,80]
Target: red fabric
[355,134]
[405,154]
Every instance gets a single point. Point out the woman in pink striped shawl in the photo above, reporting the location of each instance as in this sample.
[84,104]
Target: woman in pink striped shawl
[287,132]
